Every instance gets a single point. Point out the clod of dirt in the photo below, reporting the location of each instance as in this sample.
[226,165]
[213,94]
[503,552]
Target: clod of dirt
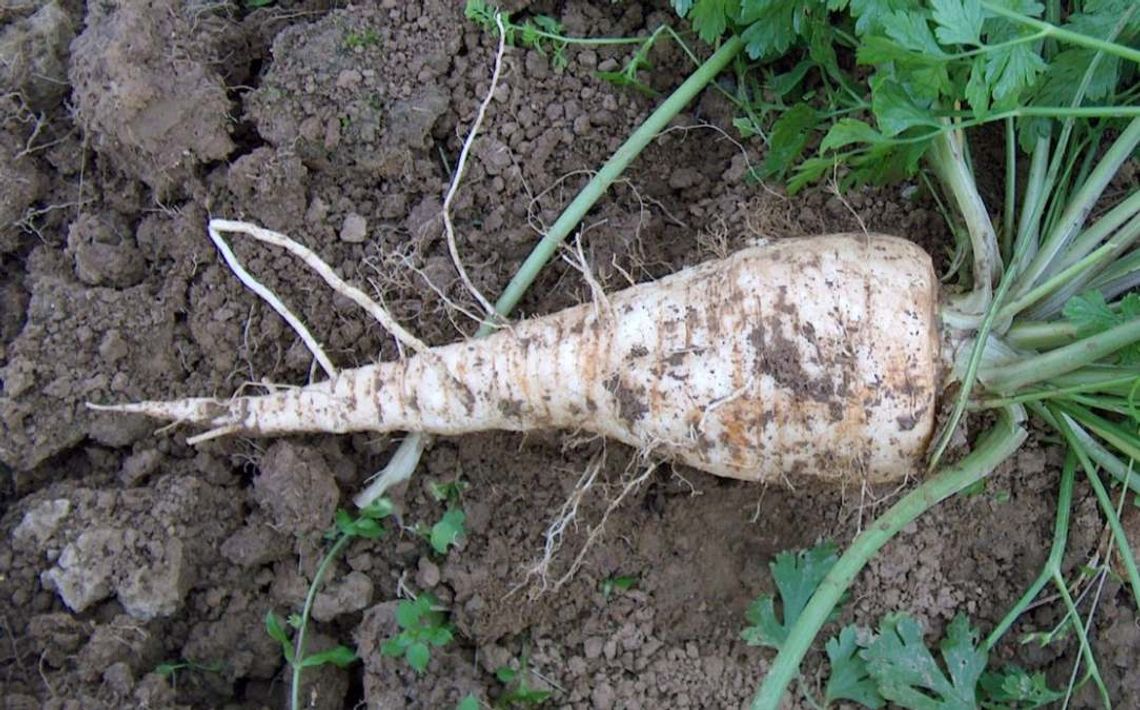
[146,90]
[123,640]
[21,183]
[271,186]
[328,96]
[354,230]
[256,544]
[239,637]
[57,636]
[297,488]
[104,251]
[40,523]
[42,406]
[143,546]
[33,57]
[351,593]
[92,568]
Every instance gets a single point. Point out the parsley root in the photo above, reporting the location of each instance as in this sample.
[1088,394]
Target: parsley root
[811,356]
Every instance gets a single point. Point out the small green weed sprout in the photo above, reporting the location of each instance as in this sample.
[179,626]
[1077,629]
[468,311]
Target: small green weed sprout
[361,40]
[170,669]
[422,625]
[347,527]
[444,534]
[516,690]
[468,703]
[622,583]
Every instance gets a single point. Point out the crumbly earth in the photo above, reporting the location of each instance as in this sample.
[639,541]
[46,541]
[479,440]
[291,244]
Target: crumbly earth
[127,123]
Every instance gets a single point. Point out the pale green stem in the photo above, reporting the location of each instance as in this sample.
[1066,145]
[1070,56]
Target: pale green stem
[1010,211]
[1033,204]
[1121,277]
[1100,256]
[996,445]
[1118,536]
[310,597]
[1040,336]
[1064,35]
[1052,562]
[1038,368]
[1080,206]
[947,157]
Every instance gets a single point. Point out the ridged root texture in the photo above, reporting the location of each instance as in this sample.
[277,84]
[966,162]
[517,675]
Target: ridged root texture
[814,356]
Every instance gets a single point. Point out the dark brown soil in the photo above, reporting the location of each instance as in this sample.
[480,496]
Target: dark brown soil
[127,123]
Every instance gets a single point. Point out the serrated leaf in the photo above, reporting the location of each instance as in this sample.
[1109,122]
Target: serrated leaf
[710,18]
[869,14]
[468,703]
[912,32]
[796,575]
[418,656]
[977,91]
[395,646]
[339,656]
[681,7]
[783,84]
[1063,76]
[849,678]
[848,131]
[788,138]
[447,530]
[959,21]
[894,110]
[774,25]
[1014,685]
[1012,69]
[1090,313]
[439,636]
[409,613]
[907,673]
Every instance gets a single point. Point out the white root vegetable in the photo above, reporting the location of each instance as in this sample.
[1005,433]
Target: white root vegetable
[815,356]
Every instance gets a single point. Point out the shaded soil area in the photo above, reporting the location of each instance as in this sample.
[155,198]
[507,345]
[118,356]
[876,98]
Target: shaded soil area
[126,124]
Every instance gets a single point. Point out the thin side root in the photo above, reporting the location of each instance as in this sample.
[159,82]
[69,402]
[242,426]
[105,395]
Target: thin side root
[453,188]
[597,530]
[314,262]
[568,516]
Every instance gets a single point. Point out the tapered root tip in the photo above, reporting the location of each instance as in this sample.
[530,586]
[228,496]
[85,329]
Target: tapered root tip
[206,411]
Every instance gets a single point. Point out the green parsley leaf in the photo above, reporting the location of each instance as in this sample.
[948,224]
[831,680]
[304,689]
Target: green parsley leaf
[1014,685]
[895,111]
[789,137]
[796,574]
[682,7]
[849,678]
[907,673]
[711,18]
[959,21]
[775,25]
